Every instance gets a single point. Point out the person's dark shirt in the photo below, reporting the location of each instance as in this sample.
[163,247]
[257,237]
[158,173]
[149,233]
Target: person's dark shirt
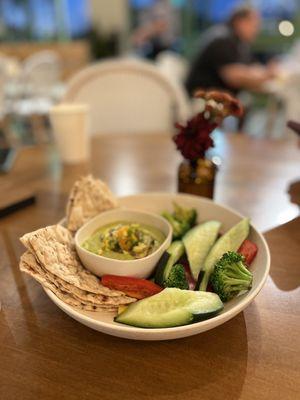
[220,47]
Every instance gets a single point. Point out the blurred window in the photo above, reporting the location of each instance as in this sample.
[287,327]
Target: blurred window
[43,19]
[141,3]
[219,10]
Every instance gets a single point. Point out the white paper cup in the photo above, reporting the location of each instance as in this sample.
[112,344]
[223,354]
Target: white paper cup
[70,123]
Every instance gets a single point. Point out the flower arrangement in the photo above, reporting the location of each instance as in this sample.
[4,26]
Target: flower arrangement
[194,139]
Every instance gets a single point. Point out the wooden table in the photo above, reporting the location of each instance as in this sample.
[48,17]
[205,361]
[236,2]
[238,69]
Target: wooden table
[44,354]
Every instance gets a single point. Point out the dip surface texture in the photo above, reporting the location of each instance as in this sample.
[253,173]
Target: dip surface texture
[124,240]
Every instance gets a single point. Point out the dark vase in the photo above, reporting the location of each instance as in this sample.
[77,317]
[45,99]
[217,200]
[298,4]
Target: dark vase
[197,177]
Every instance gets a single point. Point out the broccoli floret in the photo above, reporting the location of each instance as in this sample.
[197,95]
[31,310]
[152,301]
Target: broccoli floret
[230,276]
[181,220]
[179,227]
[177,278]
[188,215]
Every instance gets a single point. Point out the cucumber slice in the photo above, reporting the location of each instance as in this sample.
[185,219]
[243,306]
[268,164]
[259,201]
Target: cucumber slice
[230,241]
[197,242]
[171,307]
[160,268]
[168,259]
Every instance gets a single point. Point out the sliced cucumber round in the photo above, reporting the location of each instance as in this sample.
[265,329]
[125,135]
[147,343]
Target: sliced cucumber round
[197,242]
[171,307]
[230,241]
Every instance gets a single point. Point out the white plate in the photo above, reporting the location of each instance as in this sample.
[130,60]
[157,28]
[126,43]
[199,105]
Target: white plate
[157,202]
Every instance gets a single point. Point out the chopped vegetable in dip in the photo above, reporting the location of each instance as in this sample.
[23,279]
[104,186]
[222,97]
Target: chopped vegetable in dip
[124,240]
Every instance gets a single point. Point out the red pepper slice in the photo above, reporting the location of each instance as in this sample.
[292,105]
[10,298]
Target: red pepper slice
[133,287]
[188,274]
[249,250]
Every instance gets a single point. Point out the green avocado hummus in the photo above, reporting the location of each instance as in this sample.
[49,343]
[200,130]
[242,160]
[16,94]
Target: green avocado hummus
[124,240]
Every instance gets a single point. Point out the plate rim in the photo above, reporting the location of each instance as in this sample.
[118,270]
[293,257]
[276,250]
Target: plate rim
[216,321]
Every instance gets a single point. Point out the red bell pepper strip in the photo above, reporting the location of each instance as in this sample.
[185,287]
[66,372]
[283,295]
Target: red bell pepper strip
[188,274]
[249,250]
[133,287]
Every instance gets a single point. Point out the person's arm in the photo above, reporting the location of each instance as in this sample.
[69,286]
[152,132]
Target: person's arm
[240,76]
[148,31]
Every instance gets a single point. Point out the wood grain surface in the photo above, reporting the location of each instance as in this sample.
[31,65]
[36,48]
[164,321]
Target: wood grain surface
[44,354]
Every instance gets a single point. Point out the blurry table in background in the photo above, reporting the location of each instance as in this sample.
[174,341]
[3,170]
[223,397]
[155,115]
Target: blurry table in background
[47,355]
[283,94]
[254,176]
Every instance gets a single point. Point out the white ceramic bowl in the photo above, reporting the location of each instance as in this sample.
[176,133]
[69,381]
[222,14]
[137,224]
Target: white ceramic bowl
[155,203]
[139,268]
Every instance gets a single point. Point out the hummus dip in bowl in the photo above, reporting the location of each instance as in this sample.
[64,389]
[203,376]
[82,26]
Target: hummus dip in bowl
[123,242]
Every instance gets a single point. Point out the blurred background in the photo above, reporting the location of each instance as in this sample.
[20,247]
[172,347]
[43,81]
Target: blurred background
[43,43]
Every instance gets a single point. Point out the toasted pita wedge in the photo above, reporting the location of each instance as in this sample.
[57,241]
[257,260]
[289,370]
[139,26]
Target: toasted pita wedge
[27,265]
[54,249]
[88,198]
[42,276]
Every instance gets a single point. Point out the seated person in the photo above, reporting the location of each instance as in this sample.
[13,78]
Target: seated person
[225,60]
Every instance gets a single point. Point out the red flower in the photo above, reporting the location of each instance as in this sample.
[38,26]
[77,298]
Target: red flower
[193,140]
